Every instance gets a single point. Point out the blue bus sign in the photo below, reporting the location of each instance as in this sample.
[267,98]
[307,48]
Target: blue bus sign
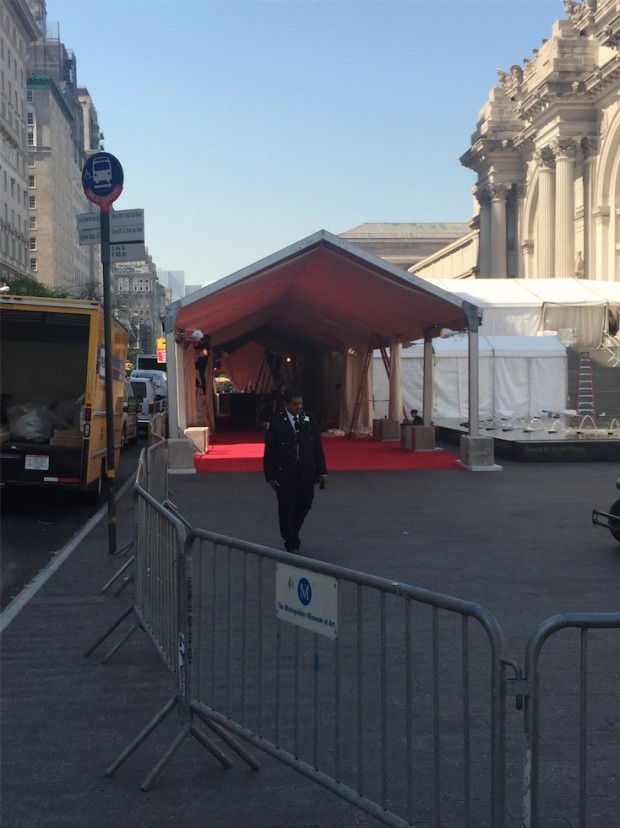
[102,179]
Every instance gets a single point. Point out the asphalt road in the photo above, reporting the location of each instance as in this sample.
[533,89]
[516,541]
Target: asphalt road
[36,522]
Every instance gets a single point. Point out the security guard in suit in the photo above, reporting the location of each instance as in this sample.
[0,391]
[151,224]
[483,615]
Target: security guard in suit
[293,463]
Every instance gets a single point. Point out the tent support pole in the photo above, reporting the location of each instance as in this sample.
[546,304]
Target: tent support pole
[427,380]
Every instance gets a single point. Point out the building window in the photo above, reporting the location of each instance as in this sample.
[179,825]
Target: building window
[30,119]
[33,242]
[32,202]
[31,182]
[32,222]
[30,138]
[33,264]
[29,96]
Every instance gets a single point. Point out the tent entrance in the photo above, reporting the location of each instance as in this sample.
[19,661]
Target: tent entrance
[249,383]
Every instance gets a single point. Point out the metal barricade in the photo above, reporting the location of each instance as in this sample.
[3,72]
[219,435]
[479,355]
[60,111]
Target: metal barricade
[389,695]
[571,755]
[151,476]
[156,468]
[162,608]
[159,539]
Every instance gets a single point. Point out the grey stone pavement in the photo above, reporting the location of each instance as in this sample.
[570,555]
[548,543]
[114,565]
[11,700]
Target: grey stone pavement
[519,541]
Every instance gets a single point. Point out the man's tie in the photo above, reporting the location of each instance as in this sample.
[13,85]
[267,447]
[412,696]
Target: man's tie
[296,424]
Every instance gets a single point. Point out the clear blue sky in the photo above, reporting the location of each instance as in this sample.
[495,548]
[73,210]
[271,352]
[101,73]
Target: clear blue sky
[243,127]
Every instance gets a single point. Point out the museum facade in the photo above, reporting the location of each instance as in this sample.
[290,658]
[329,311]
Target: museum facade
[546,153]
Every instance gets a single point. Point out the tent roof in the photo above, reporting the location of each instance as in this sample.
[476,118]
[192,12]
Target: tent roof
[319,289]
[486,293]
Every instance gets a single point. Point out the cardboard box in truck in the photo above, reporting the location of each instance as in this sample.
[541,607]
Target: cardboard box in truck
[53,402]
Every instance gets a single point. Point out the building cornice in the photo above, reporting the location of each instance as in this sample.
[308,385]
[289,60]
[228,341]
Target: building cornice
[34,81]
[25,20]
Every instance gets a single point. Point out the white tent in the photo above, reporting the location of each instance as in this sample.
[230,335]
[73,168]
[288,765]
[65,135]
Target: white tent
[576,309]
[519,376]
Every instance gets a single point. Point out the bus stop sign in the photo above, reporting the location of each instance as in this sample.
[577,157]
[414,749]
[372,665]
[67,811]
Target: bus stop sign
[102,179]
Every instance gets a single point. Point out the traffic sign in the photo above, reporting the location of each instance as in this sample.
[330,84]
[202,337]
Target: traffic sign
[125,226]
[102,179]
[127,252]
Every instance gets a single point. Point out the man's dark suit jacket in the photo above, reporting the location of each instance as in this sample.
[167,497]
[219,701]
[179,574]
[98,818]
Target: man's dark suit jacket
[280,462]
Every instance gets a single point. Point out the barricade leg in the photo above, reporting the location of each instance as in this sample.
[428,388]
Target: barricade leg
[210,745]
[110,630]
[115,577]
[176,743]
[225,736]
[133,746]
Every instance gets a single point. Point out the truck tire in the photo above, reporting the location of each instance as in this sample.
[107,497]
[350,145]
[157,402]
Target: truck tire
[615,511]
[98,489]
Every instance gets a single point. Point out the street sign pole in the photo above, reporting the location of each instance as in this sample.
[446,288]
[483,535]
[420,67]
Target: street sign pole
[102,179]
[109,396]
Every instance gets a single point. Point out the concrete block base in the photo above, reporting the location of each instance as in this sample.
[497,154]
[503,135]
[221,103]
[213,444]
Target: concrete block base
[199,436]
[417,438]
[477,454]
[181,456]
[386,429]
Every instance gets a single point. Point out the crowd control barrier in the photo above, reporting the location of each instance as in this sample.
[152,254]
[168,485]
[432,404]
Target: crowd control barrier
[152,476]
[388,695]
[392,697]
[571,744]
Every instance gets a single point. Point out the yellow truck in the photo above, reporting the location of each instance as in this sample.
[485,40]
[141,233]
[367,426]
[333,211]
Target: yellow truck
[52,393]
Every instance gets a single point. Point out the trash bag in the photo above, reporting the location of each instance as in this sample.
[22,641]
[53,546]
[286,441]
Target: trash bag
[31,423]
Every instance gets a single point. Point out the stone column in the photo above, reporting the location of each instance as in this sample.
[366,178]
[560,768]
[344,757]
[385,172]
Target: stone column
[546,207]
[498,230]
[521,250]
[589,149]
[601,264]
[565,150]
[484,253]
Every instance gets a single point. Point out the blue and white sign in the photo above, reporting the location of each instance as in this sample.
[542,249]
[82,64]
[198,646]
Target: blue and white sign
[102,179]
[307,599]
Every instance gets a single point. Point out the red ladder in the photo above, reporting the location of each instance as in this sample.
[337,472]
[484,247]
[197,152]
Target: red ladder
[585,388]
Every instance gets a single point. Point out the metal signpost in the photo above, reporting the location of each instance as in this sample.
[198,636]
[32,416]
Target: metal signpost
[102,179]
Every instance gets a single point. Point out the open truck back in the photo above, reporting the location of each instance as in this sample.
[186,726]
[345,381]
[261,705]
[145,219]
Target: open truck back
[53,404]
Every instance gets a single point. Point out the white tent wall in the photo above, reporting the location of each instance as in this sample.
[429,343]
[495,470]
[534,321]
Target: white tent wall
[518,377]
[451,373]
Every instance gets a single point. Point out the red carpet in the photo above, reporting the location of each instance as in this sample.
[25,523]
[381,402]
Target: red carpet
[244,452]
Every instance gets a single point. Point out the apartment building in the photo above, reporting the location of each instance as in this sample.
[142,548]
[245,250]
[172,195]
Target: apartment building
[17,30]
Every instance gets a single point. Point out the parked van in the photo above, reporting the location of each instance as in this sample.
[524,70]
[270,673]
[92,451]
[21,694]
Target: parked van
[131,406]
[160,384]
[143,389]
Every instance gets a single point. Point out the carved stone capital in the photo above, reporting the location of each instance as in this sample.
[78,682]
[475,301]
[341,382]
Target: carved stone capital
[589,146]
[497,191]
[544,158]
[482,196]
[564,148]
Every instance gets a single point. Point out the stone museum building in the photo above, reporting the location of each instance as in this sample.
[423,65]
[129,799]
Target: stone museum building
[546,154]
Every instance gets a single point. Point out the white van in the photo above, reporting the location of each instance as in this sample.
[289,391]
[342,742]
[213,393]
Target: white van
[160,384]
[143,389]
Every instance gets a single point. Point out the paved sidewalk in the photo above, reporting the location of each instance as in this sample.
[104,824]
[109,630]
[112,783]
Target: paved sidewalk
[519,541]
